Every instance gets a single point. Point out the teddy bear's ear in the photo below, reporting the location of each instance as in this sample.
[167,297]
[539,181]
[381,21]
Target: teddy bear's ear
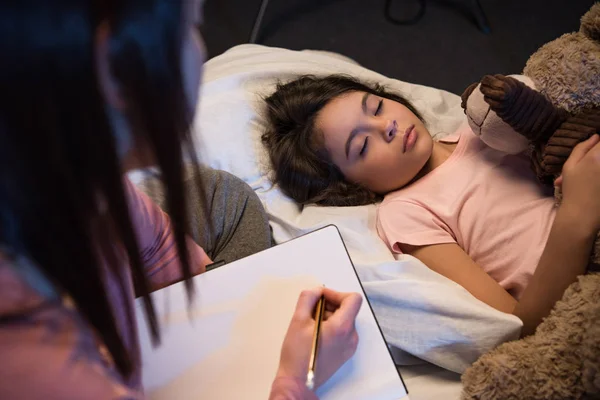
[590,23]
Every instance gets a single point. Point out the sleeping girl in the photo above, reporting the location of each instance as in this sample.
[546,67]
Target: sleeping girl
[471,213]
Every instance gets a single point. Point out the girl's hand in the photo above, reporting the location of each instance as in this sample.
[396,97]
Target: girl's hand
[338,338]
[580,181]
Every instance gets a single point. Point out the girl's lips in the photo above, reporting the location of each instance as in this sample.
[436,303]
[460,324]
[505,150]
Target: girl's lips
[409,139]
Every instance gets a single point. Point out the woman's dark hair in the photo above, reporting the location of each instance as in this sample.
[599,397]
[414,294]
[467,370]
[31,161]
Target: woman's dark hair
[62,198]
[302,167]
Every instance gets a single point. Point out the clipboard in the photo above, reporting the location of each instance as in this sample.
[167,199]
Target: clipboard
[227,343]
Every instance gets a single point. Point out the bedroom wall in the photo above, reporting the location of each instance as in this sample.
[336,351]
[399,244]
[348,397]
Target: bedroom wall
[445,49]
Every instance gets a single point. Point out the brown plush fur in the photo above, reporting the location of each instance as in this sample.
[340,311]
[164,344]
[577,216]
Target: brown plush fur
[562,359]
[575,63]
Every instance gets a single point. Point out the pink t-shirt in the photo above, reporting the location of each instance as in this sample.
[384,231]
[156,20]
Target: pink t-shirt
[486,201]
[48,349]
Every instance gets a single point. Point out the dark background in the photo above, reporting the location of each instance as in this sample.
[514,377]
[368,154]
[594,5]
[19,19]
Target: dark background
[445,49]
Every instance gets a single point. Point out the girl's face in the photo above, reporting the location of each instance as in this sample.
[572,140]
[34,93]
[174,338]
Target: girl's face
[376,142]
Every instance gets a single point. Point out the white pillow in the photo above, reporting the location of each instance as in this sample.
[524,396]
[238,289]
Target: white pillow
[420,311]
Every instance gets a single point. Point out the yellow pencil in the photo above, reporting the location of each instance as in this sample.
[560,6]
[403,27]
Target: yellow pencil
[312,365]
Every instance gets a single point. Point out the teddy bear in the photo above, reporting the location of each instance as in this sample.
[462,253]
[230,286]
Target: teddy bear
[546,111]
[560,361]
[549,109]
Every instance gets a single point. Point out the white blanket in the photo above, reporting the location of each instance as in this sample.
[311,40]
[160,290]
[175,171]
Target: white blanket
[420,312]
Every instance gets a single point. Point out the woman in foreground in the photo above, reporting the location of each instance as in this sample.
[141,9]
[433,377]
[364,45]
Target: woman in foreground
[89,89]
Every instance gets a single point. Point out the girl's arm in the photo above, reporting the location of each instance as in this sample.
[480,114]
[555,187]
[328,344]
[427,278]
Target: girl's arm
[572,236]
[450,260]
[565,256]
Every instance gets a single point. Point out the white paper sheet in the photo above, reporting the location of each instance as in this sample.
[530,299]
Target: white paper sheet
[227,344]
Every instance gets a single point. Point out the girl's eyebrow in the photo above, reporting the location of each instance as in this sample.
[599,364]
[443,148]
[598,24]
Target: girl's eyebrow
[364,102]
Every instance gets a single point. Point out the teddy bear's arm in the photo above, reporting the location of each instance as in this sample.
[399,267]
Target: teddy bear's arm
[549,159]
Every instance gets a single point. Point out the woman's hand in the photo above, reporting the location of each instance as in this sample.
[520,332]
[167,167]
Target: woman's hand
[580,181]
[338,337]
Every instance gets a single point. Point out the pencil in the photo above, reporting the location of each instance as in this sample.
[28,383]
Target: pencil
[312,364]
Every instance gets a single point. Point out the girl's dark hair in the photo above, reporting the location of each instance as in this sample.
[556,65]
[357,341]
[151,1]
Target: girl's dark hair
[302,167]
[62,198]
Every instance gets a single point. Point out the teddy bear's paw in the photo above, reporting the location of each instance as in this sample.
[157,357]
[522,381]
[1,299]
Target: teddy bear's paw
[500,92]
[526,110]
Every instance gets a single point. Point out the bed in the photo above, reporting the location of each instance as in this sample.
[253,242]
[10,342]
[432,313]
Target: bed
[434,327]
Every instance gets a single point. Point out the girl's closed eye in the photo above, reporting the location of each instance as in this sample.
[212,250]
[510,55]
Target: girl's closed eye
[363,150]
[379,107]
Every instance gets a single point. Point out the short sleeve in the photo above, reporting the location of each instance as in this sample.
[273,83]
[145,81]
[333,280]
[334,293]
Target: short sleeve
[404,222]
[157,241]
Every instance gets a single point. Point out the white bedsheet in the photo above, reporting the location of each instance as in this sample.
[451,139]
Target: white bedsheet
[420,312]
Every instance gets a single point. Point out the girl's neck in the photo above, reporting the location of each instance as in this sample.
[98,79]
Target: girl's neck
[439,154]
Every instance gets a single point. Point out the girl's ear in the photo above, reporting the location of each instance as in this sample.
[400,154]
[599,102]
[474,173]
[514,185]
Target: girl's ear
[108,84]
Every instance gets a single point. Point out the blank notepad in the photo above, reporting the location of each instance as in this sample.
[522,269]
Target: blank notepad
[226,345]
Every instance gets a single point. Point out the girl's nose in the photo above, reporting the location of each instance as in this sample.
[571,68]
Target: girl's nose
[390,130]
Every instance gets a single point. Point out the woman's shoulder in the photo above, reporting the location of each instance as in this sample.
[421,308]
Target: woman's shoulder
[44,339]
